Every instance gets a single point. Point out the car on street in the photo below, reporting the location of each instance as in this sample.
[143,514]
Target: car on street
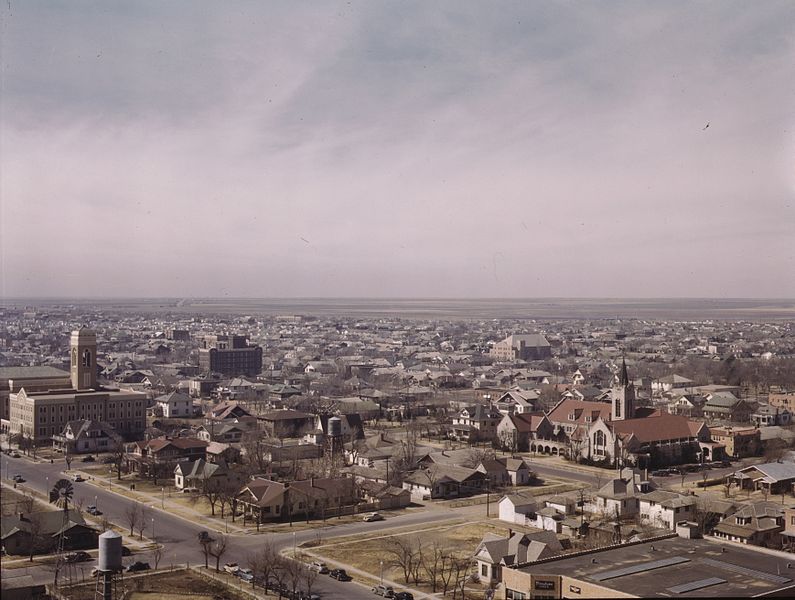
[138,566]
[403,596]
[78,478]
[387,591]
[204,537]
[15,455]
[232,568]
[319,566]
[88,458]
[93,510]
[18,478]
[340,575]
[660,474]
[75,557]
[373,517]
[246,575]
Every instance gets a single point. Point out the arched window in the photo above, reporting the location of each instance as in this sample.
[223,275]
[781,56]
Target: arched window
[86,358]
[599,438]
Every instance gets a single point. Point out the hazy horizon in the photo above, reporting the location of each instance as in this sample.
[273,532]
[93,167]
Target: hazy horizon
[397,150]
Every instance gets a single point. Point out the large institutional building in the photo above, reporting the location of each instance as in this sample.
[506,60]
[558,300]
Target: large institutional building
[229,355]
[43,408]
[524,346]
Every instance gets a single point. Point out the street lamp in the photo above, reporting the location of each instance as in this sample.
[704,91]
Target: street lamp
[163,498]
[153,530]
[382,572]
[95,503]
[293,544]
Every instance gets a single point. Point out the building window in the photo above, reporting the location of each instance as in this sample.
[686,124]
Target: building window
[484,570]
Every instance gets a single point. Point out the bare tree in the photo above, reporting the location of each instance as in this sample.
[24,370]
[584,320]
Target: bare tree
[26,504]
[144,517]
[294,571]
[118,459]
[460,567]
[211,490]
[218,548]
[132,516]
[406,554]
[157,555]
[35,536]
[265,562]
[256,450]
[309,577]
[433,563]
[68,458]
[205,542]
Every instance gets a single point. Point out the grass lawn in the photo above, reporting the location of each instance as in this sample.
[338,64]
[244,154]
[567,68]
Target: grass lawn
[368,553]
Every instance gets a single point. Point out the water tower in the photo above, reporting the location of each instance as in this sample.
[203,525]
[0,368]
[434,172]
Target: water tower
[108,565]
[334,437]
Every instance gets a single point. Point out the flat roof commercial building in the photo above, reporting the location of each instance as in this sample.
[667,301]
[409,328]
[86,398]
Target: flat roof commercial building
[663,567]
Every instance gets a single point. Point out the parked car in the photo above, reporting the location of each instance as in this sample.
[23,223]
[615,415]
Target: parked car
[660,474]
[88,458]
[232,568]
[373,517]
[320,567]
[387,591]
[403,596]
[125,551]
[18,478]
[246,575]
[15,455]
[93,510]
[138,566]
[340,575]
[204,537]
[75,557]
[78,478]
[108,460]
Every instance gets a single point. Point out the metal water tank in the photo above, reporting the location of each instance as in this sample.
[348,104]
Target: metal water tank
[335,427]
[110,549]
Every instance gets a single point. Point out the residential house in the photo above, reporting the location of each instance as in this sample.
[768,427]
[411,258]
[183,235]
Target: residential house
[670,382]
[42,531]
[517,402]
[444,481]
[201,474]
[286,423]
[175,405]
[775,477]
[495,552]
[662,508]
[476,423]
[158,457]
[86,436]
[726,406]
[767,415]
[758,524]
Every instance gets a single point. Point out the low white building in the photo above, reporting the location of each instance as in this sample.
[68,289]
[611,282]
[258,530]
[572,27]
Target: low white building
[517,508]
[175,404]
[661,508]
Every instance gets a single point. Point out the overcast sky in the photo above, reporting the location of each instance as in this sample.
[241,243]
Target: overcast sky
[447,149]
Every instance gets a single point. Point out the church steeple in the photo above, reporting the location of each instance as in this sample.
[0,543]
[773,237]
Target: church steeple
[623,396]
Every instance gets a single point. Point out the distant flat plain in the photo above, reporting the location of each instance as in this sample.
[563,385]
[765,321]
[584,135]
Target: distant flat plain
[695,309]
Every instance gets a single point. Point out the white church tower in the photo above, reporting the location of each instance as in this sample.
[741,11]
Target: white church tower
[623,397]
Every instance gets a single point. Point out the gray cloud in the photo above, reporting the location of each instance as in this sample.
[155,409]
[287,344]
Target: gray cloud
[411,149]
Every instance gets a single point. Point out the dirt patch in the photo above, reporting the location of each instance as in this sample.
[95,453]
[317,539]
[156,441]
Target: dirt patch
[181,584]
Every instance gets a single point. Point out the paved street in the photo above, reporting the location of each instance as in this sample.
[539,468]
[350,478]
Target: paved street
[179,535]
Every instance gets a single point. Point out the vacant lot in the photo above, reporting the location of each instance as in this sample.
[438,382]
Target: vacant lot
[373,553]
[181,585]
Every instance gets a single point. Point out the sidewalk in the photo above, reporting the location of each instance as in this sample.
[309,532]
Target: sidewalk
[156,502]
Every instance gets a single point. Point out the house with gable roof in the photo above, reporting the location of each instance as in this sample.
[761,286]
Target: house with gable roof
[495,552]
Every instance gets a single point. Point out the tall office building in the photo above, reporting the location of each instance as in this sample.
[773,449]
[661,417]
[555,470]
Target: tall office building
[230,355]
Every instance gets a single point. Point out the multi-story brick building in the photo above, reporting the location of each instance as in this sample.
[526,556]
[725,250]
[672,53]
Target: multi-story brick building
[43,413]
[525,346]
[230,355]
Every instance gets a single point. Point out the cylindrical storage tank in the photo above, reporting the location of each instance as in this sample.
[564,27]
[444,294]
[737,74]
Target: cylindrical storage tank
[109,551]
[335,427]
